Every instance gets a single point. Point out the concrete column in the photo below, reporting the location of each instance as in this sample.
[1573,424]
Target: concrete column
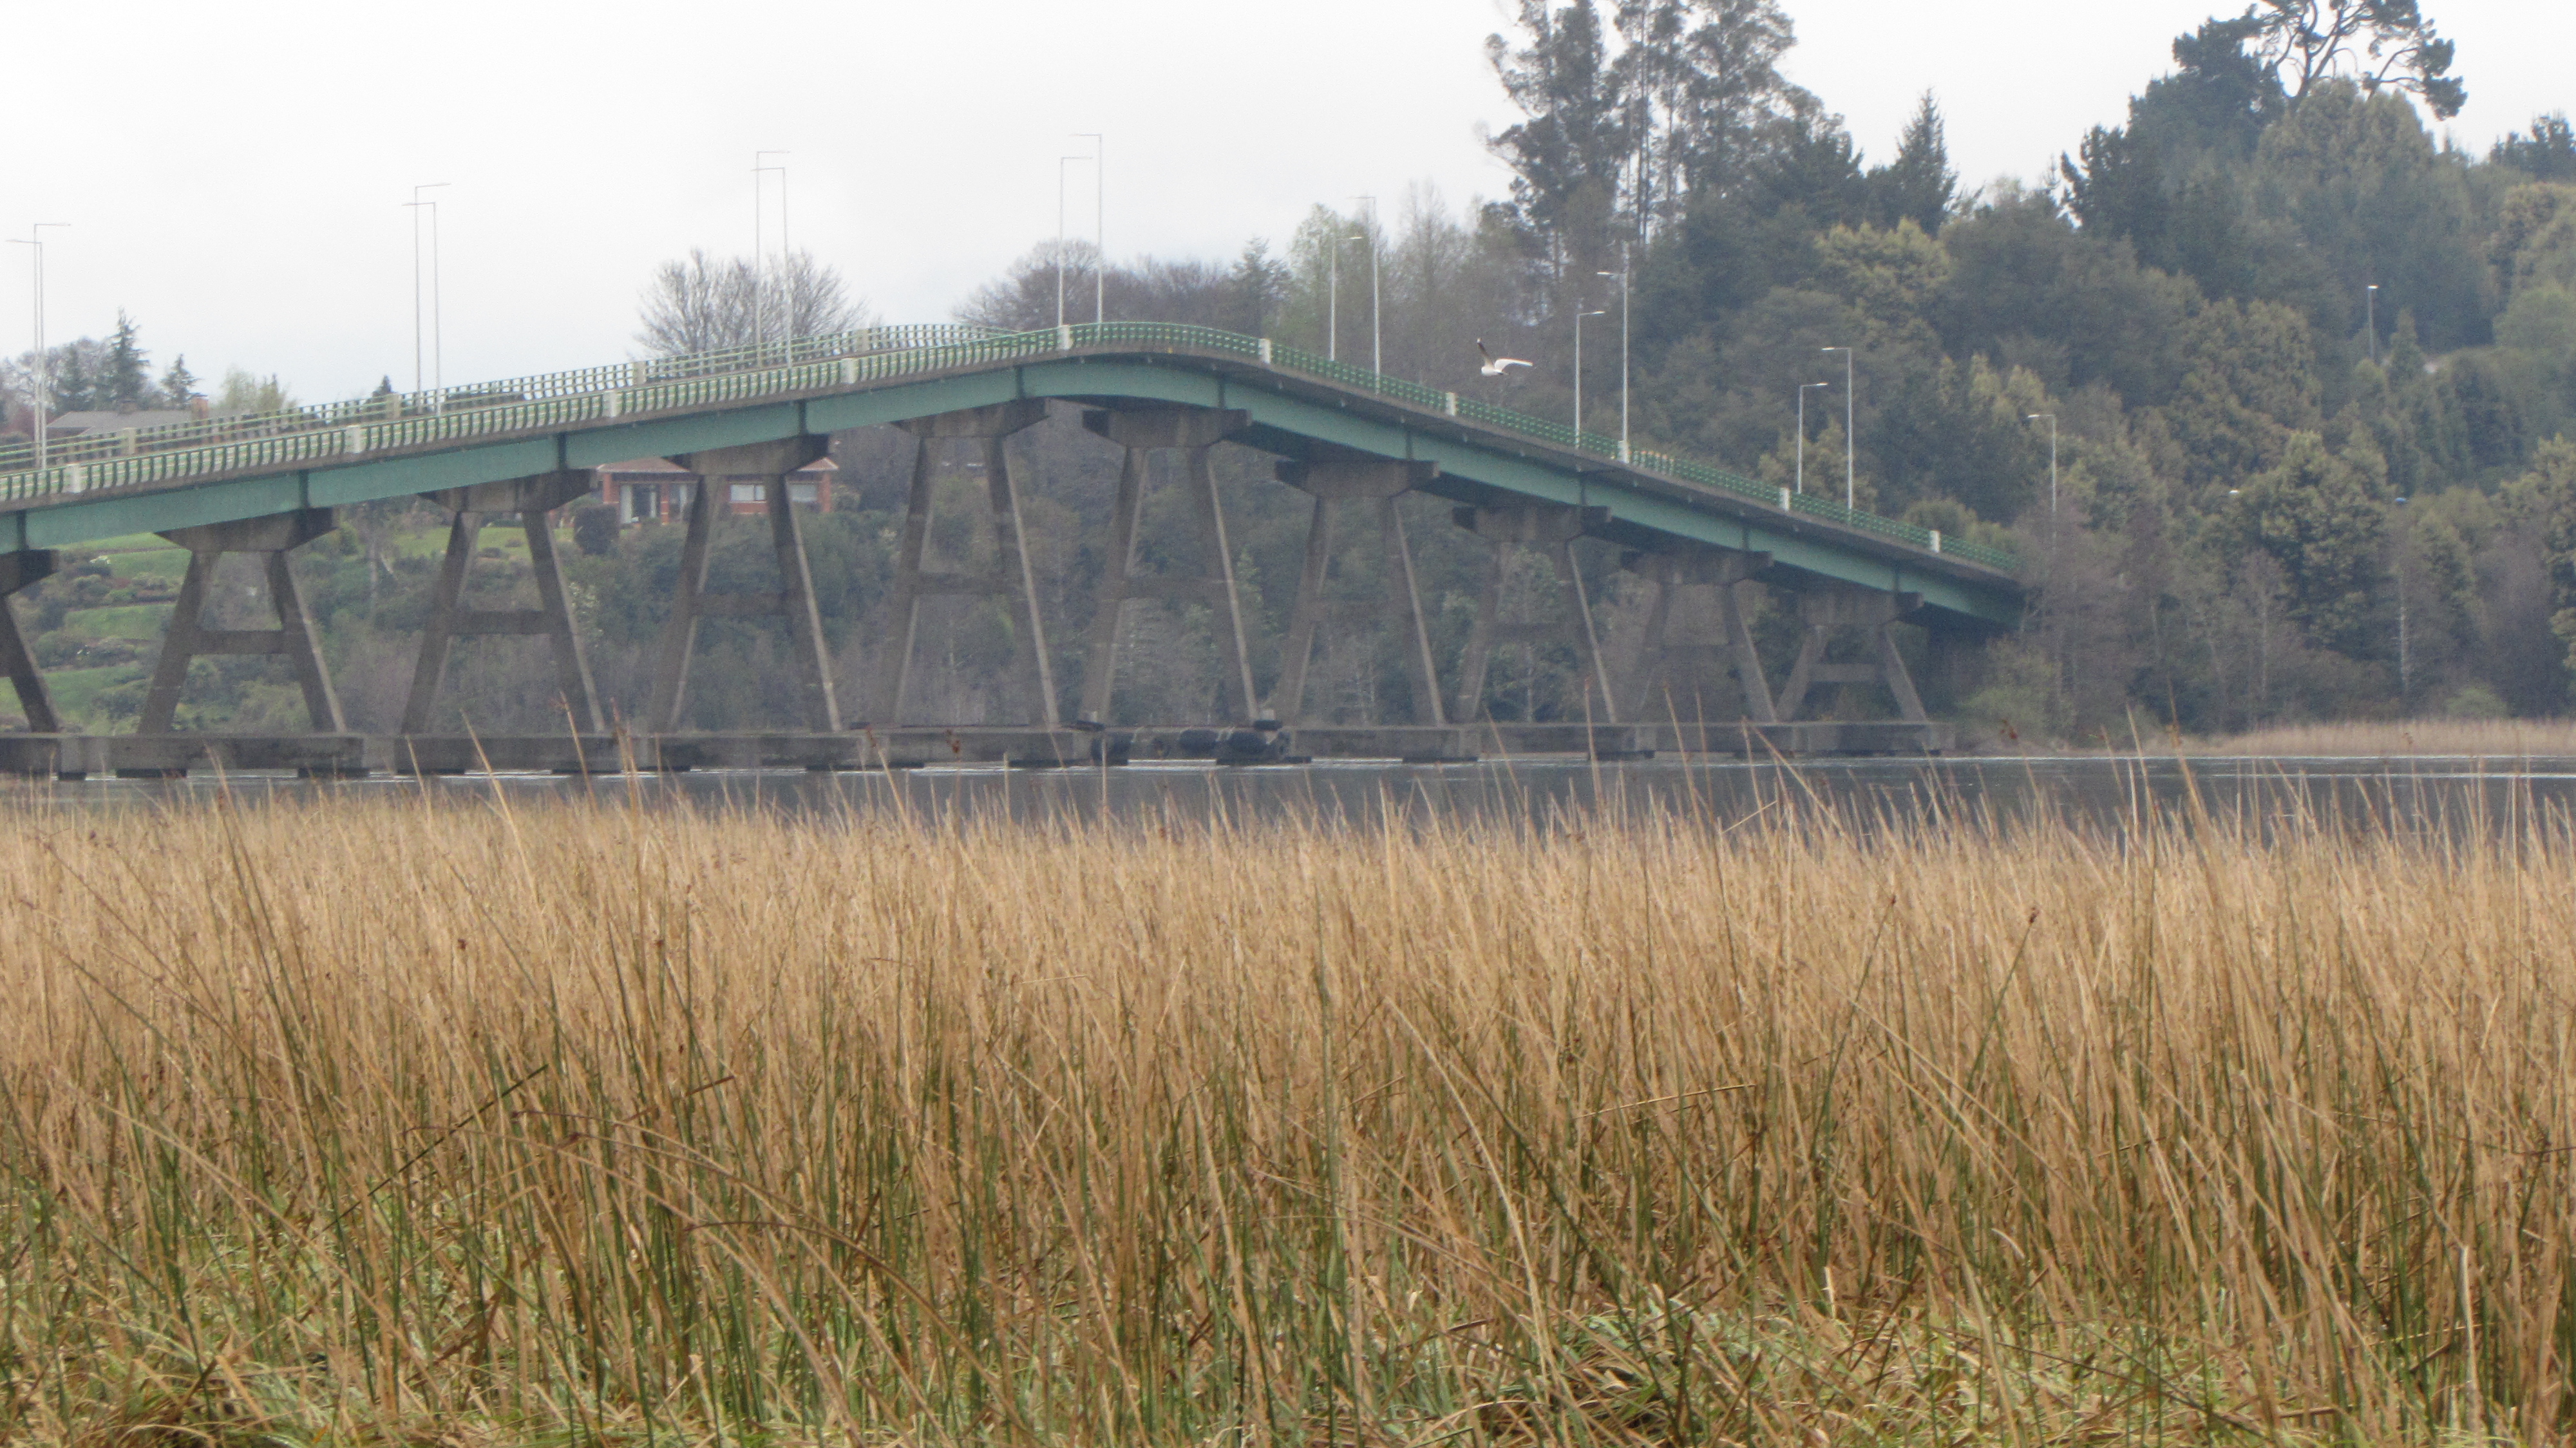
[532,498]
[1358,480]
[1011,578]
[18,571]
[679,642]
[1824,611]
[768,463]
[1191,431]
[1727,573]
[1550,528]
[272,538]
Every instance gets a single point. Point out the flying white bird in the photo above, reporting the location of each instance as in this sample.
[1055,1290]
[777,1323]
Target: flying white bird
[1496,366]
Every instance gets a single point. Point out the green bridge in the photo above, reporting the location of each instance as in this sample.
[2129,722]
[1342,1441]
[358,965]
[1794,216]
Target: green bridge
[1355,440]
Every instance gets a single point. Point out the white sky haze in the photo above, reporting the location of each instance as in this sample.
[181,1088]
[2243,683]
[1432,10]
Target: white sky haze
[234,177]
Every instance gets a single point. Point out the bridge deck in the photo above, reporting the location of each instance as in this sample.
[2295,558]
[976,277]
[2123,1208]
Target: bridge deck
[222,470]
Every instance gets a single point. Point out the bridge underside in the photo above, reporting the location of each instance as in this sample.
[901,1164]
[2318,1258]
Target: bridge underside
[1353,454]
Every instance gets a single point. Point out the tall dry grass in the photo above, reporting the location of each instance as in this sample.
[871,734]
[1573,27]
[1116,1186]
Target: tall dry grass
[371,1123]
[2389,739]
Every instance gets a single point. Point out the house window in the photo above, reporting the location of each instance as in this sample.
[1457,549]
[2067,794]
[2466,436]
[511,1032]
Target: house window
[750,493]
[801,493]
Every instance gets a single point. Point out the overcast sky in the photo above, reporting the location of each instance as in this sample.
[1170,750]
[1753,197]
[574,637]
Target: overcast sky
[234,176]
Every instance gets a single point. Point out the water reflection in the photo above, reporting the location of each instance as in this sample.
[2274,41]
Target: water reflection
[2448,793]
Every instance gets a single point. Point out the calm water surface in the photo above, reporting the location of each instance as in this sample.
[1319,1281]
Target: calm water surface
[2450,793]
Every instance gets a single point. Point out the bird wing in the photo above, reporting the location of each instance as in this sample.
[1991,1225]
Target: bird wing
[1481,352]
[1511,362]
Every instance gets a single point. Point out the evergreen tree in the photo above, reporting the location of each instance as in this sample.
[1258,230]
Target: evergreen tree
[2385,44]
[126,382]
[75,380]
[1260,281]
[179,385]
[1919,185]
[2546,152]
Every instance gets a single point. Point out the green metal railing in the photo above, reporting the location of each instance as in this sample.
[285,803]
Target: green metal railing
[340,431]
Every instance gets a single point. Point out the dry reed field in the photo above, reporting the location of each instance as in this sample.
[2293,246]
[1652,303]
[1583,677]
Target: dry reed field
[2392,739]
[388,1123]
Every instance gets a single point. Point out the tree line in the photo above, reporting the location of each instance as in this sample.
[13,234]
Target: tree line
[2307,367]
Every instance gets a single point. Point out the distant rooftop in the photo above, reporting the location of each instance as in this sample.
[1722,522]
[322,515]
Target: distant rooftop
[76,423]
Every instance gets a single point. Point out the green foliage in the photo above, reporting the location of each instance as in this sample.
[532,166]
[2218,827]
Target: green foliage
[1919,186]
[2317,516]
[594,529]
[2545,152]
[245,392]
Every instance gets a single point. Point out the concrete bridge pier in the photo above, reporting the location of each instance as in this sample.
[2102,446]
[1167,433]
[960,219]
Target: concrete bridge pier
[1824,611]
[1724,572]
[1190,431]
[1378,481]
[1011,577]
[533,498]
[271,539]
[18,571]
[769,463]
[1549,528]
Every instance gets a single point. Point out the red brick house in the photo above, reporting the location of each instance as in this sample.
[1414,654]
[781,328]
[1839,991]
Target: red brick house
[656,490]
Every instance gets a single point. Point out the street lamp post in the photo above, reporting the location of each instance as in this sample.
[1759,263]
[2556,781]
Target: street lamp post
[1060,163]
[1579,315]
[437,348]
[42,384]
[2370,319]
[1851,469]
[759,258]
[1803,389]
[1377,350]
[2051,419]
[1621,276]
[1099,223]
[1333,295]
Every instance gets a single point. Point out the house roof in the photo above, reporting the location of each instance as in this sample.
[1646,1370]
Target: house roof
[80,422]
[667,467]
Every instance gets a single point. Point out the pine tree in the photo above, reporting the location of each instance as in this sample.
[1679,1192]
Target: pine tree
[73,388]
[178,385]
[1919,185]
[126,383]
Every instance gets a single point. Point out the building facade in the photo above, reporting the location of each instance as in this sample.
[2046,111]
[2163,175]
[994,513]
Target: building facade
[657,490]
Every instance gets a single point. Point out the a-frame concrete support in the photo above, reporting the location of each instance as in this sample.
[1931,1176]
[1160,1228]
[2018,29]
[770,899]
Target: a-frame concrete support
[1726,573]
[1826,610]
[533,499]
[1551,529]
[767,464]
[1192,432]
[1378,482]
[271,538]
[1011,578]
[17,571]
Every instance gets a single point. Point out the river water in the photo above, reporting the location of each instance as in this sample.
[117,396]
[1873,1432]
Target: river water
[2442,793]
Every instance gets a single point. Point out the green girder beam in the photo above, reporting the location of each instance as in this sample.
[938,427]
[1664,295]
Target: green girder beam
[1290,416]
